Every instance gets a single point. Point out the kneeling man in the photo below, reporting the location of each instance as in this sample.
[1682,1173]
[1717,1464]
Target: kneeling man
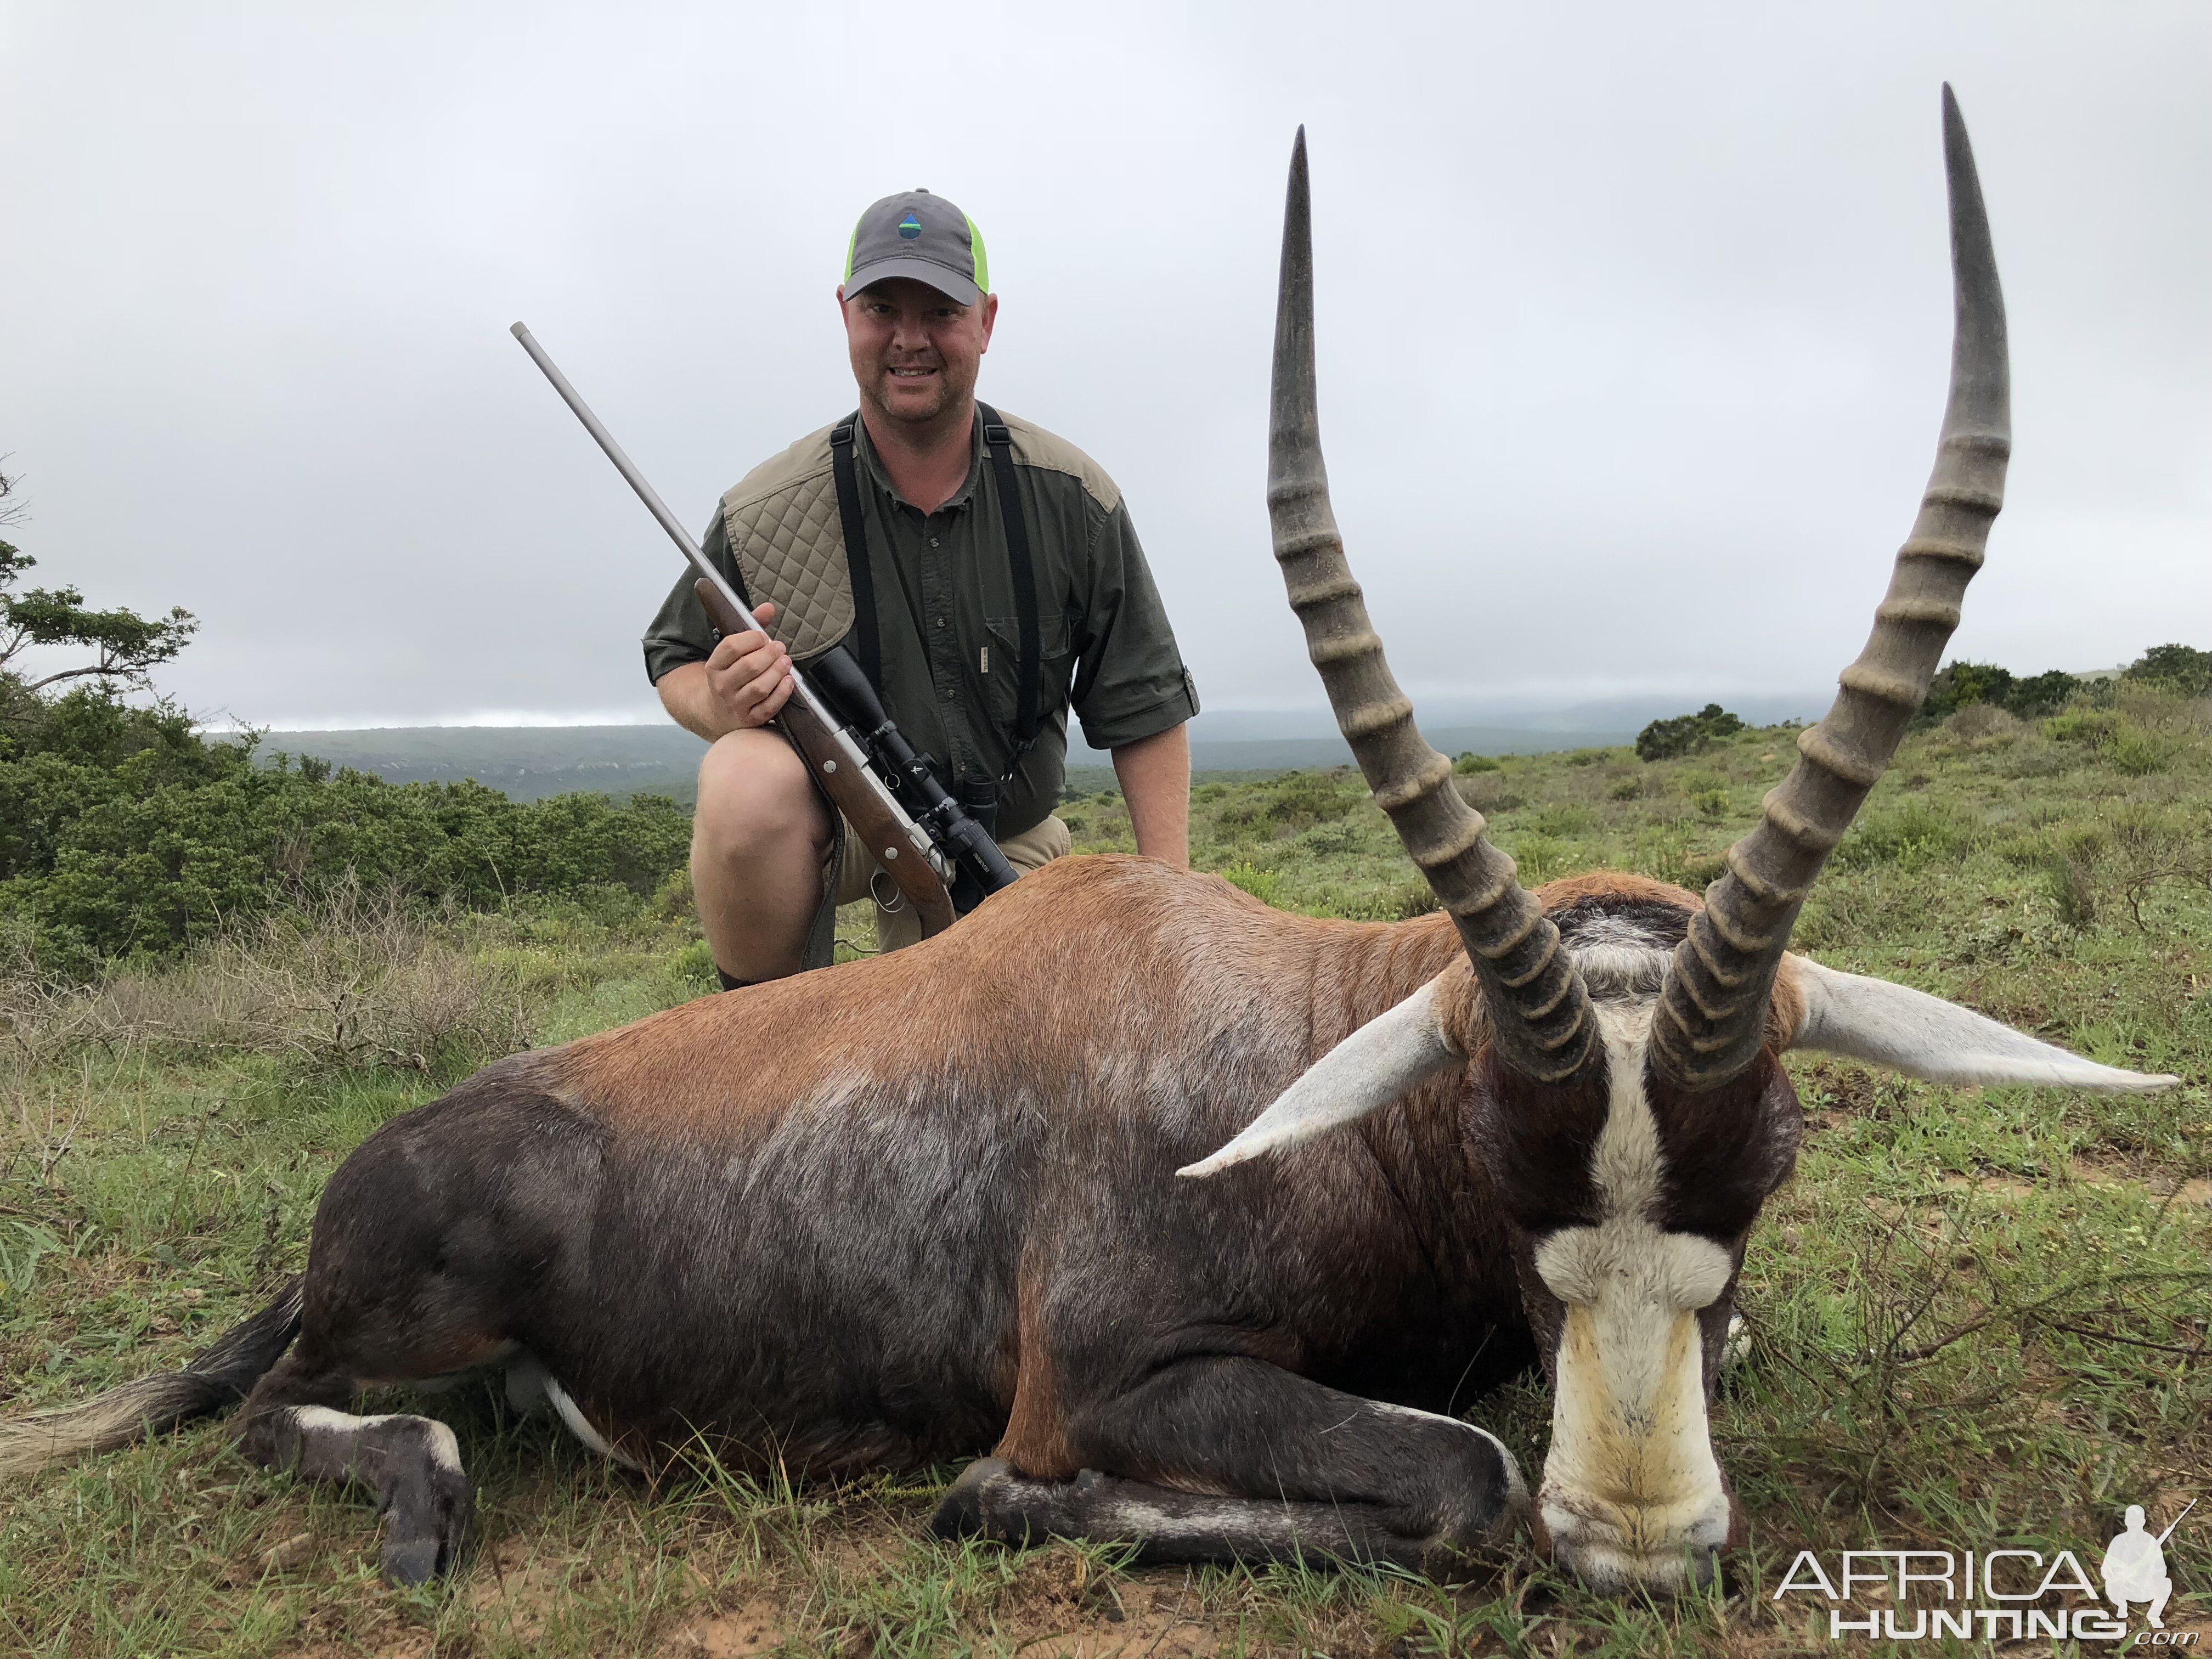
[910,531]
[2134,1569]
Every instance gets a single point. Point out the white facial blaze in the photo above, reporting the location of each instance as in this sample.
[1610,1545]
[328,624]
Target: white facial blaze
[1630,1485]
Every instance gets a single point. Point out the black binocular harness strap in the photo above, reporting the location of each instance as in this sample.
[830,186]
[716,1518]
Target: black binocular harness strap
[998,447]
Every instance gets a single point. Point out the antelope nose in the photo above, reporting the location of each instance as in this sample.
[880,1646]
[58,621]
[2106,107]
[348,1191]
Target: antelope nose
[1615,1547]
[1604,1562]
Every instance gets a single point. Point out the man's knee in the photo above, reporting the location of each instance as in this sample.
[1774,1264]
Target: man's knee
[754,793]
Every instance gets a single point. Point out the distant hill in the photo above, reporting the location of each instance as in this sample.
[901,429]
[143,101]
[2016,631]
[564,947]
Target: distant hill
[524,762]
[527,762]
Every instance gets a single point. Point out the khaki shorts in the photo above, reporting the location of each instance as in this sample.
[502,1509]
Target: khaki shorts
[899,927]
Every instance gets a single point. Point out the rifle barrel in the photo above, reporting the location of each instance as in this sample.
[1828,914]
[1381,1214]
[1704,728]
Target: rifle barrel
[659,508]
[2177,1521]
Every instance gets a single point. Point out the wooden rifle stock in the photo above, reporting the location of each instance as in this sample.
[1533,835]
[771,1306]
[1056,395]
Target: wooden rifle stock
[845,781]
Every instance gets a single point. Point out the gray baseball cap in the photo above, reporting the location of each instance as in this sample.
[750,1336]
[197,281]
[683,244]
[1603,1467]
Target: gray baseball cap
[922,236]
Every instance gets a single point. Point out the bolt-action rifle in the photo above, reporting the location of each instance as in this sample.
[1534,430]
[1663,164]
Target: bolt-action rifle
[2176,1522]
[852,748]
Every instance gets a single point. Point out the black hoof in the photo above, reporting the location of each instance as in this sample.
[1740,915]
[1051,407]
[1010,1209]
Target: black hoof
[425,1547]
[410,1561]
[963,1512]
[428,1502]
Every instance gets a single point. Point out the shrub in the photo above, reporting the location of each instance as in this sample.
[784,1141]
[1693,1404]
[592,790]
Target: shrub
[2072,893]
[1265,885]
[1415,898]
[1297,800]
[2125,744]
[2137,755]
[2180,668]
[1962,684]
[349,980]
[1979,720]
[2130,852]
[1911,836]
[1538,858]
[1471,762]
[1487,795]
[1686,734]
[1564,818]
[124,833]
[2097,727]
[1699,871]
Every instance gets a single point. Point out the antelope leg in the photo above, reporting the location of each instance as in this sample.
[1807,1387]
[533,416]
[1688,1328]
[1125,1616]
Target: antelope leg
[1226,1458]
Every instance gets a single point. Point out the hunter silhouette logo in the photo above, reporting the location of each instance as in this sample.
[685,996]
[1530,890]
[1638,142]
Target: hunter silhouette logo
[909,228]
[2006,1593]
[2134,1567]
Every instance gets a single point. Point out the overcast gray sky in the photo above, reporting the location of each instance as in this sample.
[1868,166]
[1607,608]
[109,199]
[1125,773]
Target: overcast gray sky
[1633,319]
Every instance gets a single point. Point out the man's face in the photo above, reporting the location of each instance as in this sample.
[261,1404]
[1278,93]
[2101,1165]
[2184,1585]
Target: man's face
[915,351]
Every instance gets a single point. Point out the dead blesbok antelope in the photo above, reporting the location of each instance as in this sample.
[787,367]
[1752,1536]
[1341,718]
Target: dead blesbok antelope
[960,1199]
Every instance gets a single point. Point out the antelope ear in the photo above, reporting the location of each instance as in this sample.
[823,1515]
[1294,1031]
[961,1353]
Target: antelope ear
[1380,1061]
[1910,1032]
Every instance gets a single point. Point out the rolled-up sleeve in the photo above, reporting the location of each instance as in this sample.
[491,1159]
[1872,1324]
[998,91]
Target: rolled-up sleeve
[680,632]
[1130,682]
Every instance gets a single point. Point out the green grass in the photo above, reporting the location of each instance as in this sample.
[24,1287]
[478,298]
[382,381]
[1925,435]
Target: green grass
[1976,1317]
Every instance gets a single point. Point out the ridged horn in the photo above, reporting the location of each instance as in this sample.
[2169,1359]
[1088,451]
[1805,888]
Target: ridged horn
[1538,1009]
[1713,1009]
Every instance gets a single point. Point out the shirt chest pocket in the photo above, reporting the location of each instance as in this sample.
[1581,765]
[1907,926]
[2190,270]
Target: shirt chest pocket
[998,665]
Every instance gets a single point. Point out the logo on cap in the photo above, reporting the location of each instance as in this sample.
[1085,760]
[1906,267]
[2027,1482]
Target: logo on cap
[909,228]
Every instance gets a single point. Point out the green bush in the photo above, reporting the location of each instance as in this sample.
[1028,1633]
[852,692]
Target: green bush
[1265,885]
[2182,669]
[1539,857]
[1686,734]
[1564,818]
[2137,755]
[1697,870]
[1296,801]
[123,833]
[1911,836]
[1962,684]
[2097,727]
[2130,750]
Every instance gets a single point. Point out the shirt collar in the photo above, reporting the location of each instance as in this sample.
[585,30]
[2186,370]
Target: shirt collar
[865,447]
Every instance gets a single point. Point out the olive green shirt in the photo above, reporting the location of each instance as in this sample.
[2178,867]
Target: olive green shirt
[949,630]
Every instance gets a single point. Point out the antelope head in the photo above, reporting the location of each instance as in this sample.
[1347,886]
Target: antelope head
[1621,1040]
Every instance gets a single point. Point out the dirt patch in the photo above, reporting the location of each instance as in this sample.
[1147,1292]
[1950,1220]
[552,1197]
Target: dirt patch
[1165,1636]
[756,1627]
[2090,1172]
[518,1580]
[414,1645]
[1107,1619]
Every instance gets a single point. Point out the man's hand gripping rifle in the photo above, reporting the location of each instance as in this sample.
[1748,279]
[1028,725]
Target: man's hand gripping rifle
[852,750]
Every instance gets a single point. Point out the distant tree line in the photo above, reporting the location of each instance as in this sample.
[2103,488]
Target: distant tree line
[1961,685]
[2179,669]
[124,833]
